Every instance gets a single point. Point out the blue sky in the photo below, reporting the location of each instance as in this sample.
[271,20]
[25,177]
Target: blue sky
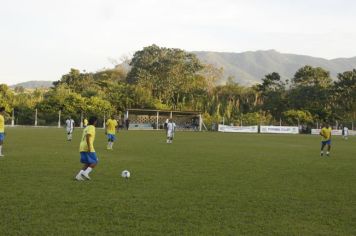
[43,39]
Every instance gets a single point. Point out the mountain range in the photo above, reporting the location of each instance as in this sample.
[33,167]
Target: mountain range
[250,67]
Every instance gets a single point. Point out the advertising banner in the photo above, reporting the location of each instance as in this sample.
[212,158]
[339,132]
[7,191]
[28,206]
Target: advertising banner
[238,129]
[279,129]
[333,132]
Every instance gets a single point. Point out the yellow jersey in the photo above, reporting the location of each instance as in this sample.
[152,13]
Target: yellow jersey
[83,147]
[325,134]
[2,124]
[85,122]
[111,126]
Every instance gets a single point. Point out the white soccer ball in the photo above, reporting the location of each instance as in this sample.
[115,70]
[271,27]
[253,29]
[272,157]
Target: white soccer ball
[125,174]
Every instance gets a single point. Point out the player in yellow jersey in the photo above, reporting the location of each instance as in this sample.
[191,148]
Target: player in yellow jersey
[2,128]
[325,139]
[87,152]
[111,125]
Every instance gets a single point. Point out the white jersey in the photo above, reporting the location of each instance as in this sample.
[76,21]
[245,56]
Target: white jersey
[69,125]
[171,126]
[346,131]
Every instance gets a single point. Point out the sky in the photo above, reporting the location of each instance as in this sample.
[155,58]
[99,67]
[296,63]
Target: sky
[44,39]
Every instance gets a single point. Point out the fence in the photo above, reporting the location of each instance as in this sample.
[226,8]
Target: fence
[35,117]
[133,119]
[149,119]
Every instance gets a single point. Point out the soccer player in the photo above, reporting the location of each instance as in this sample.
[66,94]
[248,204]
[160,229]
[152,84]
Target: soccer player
[69,128]
[171,126]
[111,125]
[325,139]
[2,129]
[166,124]
[345,134]
[86,148]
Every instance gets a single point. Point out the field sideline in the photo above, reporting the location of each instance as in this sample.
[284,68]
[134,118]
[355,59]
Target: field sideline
[203,184]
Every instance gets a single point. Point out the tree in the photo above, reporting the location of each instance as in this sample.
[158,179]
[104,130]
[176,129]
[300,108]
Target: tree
[344,91]
[6,97]
[311,91]
[168,73]
[293,117]
[272,94]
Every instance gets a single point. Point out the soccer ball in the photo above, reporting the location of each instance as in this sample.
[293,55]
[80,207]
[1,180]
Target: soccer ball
[125,174]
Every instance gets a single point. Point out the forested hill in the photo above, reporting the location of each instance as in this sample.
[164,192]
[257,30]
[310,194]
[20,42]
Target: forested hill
[250,67]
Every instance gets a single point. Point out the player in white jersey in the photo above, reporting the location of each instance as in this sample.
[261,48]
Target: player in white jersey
[69,128]
[345,133]
[171,126]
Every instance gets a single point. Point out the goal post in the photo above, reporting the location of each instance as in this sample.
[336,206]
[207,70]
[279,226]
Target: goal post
[152,119]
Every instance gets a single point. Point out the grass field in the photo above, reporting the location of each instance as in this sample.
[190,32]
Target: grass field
[202,184]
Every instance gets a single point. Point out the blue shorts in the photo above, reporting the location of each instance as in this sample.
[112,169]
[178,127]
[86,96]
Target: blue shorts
[328,142]
[2,136]
[88,158]
[111,137]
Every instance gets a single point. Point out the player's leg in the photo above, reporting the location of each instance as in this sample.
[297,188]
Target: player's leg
[322,148]
[92,161]
[112,141]
[1,144]
[171,138]
[68,135]
[84,160]
[109,141]
[71,134]
[329,147]
[79,175]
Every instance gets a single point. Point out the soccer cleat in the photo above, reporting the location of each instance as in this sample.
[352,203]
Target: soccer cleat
[327,154]
[86,176]
[322,154]
[79,178]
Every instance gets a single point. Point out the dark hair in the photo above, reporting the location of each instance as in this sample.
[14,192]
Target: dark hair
[2,109]
[92,120]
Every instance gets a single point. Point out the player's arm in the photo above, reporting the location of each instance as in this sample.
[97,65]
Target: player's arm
[87,139]
[322,134]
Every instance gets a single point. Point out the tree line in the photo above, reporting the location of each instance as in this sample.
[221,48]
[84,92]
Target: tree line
[169,78]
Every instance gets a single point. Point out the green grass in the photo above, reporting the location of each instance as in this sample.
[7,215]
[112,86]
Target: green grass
[202,184]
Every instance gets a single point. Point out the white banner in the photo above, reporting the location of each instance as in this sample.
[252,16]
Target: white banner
[279,129]
[238,129]
[333,132]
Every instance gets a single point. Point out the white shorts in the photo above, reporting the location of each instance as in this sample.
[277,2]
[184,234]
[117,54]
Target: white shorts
[69,131]
[170,134]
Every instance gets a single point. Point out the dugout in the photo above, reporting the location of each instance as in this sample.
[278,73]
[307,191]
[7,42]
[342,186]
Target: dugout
[150,119]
